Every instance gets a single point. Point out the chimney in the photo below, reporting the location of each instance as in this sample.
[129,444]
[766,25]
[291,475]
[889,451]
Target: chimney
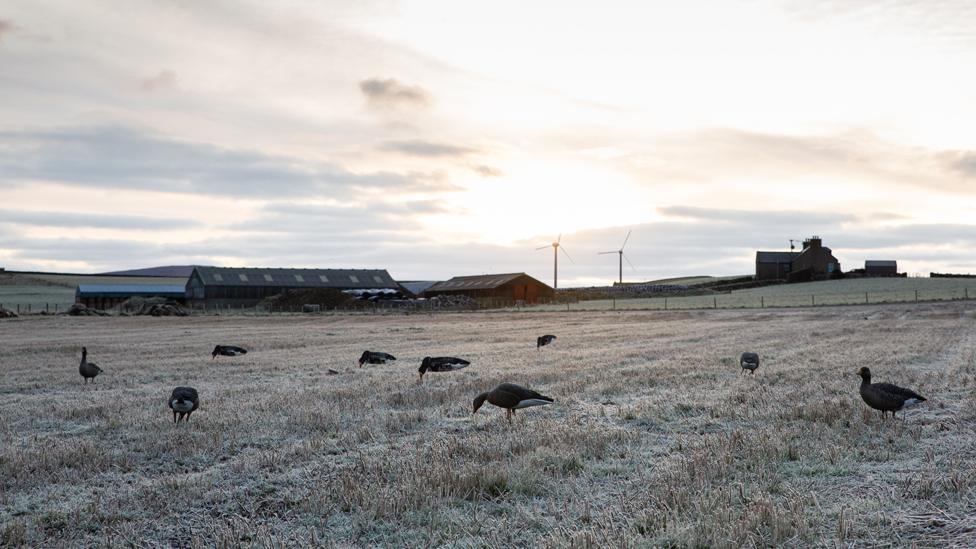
[813,242]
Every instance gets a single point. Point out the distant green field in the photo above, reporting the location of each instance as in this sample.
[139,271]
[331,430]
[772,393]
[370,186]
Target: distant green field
[831,292]
[37,297]
[693,280]
[24,292]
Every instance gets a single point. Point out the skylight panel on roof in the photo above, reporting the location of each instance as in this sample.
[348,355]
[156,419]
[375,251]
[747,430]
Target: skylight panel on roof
[323,278]
[243,277]
[268,278]
[218,277]
[354,279]
[299,278]
[377,278]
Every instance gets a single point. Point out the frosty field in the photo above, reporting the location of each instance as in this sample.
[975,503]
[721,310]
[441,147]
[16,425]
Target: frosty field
[655,439]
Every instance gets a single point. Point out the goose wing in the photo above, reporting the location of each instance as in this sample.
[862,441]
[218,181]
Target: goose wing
[897,391]
[447,363]
[384,356]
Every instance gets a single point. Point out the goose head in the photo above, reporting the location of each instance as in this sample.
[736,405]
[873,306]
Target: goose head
[865,374]
[478,402]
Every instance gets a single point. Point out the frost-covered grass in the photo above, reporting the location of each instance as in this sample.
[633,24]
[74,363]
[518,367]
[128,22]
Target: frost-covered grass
[828,292]
[655,438]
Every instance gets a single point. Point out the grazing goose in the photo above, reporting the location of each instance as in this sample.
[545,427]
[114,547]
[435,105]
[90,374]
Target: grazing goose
[441,364]
[227,350]
[749,361]
[511,397]
[886,397]
[183,401]
[542,341]
[88,370]
[371,357]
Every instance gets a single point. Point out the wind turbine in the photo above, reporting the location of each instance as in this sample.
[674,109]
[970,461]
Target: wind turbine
[555,259]
[621,257]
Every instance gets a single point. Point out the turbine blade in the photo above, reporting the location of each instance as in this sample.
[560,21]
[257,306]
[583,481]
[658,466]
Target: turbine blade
[567,254]
[544,247]
[559,238]
[602,253]
[628,262]
[625,241]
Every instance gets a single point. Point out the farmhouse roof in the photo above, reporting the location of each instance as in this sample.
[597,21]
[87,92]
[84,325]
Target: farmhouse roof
[880,263]
[123,290]
[775,257]
[416,287]
[476,282]
[296,278]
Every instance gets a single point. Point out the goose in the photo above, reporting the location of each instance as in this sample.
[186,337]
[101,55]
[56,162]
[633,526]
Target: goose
[372,357]
[511,397]
[227,350]
[749,361]
[183,401]
[88,370]
[441,364]
[542,341]
[886,397]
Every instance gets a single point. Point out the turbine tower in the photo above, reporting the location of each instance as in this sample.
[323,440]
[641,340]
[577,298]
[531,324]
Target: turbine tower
[555,259]
[621,257]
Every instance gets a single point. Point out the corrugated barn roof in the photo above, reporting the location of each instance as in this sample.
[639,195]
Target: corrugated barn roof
[880,263]
[477,282]
[297,278]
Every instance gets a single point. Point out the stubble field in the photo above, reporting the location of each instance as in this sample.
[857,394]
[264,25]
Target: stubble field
[655,438]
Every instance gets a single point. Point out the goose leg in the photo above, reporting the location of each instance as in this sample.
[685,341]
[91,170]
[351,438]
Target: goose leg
[508,415]
[174,416]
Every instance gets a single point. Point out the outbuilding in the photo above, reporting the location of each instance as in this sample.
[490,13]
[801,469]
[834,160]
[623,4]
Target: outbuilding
[495,289]
[879,267]
[246,286]
[104,296]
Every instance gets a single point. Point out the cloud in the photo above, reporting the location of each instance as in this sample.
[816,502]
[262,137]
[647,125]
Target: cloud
[116,157]
[426,149]
[6,27]
[76,220]
[391,94]
[487,171]
[166,79]
[766,218]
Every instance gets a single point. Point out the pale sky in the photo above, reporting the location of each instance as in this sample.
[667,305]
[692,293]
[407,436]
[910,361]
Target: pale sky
[442,138]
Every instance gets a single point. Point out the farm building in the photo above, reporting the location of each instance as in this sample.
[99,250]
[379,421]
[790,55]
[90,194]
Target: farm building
[774,265]
[881,268]
[814,262]
[104,296]
[240,286]
[509,287]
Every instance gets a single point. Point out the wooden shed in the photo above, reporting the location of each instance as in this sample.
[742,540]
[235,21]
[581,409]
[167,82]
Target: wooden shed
[496,289]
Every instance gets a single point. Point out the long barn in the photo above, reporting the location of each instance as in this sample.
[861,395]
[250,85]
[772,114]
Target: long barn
[246,286]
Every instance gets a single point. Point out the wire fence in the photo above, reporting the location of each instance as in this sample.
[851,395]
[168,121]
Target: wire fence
[762,301]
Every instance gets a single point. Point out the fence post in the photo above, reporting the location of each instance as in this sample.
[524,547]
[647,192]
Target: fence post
[762,302]
[614,304]
[916,296]
[865,297]
[665,304]
[812,303]
[967,292]
[715,303]
[47,307]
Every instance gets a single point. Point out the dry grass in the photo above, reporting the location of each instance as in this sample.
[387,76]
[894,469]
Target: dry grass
[655,439]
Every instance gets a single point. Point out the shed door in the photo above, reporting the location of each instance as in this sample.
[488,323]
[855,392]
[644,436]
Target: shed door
[518,291]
